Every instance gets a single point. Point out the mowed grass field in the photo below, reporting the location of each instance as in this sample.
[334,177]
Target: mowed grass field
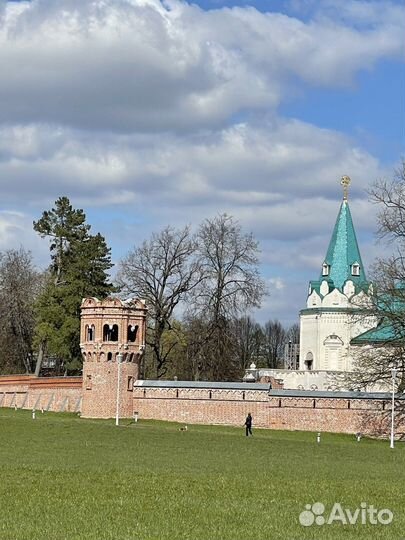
[63,477]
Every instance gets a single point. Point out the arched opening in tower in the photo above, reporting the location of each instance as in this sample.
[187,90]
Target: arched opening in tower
[110,332]
[132,332]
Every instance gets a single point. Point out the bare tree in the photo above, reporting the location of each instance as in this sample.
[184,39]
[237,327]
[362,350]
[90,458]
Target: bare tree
[390,196]
[163,271]
[19,287]
[386,344]
[246,334]
[273,342]
[231,285]
[293,333]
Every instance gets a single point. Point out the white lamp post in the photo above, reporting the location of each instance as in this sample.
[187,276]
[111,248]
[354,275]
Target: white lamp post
[394,376]
[117,414]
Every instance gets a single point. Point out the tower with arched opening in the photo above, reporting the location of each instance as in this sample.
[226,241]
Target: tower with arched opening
[112,338]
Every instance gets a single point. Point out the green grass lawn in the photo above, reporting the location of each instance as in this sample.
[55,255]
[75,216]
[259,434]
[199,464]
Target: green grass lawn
[66,478]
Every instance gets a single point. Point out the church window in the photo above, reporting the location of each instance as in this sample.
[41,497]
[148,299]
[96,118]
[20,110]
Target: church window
[325,269]
[309,360]
[355,269]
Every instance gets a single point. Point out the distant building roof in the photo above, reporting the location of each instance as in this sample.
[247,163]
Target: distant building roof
[202,384]
[257,386]
[383,334]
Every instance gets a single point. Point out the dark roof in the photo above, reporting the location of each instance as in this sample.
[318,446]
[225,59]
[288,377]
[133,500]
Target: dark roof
[333,394]
[202,384]
[258,386]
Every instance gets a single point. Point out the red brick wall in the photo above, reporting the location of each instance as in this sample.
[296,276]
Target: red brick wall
[230,407]
[49,393]
[189,405]
[100,389]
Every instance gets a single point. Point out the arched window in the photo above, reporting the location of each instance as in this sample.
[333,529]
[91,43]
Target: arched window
[309,360]
[333,359]
[110,332]
[132,332]
[90,331]
[109,356]
[325,269]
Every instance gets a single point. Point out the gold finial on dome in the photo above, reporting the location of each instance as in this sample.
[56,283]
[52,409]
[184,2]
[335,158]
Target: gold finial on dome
[345,182]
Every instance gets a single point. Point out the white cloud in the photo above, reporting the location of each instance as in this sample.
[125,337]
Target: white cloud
[279,179]
[276,283]
[141,66]
[146,113]
[16,230]
[264,170]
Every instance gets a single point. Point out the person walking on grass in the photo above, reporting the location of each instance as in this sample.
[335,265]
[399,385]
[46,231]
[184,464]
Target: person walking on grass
[248,424]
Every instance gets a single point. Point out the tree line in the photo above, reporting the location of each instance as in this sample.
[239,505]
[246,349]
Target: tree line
[199,287]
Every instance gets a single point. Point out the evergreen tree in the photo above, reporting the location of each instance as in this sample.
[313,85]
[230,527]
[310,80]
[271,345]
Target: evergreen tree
[79,268]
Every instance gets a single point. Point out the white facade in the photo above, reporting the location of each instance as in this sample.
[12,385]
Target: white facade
[337,311]
[328,324]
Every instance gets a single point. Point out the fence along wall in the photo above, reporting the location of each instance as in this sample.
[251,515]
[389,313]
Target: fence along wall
[56,394]
[210,403]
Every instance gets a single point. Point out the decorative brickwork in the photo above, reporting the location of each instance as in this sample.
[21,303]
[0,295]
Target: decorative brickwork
[216,406]
[112,338]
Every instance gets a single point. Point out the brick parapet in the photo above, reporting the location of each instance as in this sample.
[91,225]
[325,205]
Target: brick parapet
[342,415]
[54,394]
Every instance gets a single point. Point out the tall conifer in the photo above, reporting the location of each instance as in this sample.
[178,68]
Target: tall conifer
[79,267]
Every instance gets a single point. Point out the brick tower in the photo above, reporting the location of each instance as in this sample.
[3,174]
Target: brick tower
[112,339]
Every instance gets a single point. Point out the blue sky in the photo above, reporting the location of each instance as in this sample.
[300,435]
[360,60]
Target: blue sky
[147,113]
[372,110]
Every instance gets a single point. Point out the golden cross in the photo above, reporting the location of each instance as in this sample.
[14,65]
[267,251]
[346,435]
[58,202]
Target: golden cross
[345,182]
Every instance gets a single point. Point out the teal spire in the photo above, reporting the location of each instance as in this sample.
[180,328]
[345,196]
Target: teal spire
[343,260]
[343,257]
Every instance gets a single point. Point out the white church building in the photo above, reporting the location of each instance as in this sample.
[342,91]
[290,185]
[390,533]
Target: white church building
[335,312]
